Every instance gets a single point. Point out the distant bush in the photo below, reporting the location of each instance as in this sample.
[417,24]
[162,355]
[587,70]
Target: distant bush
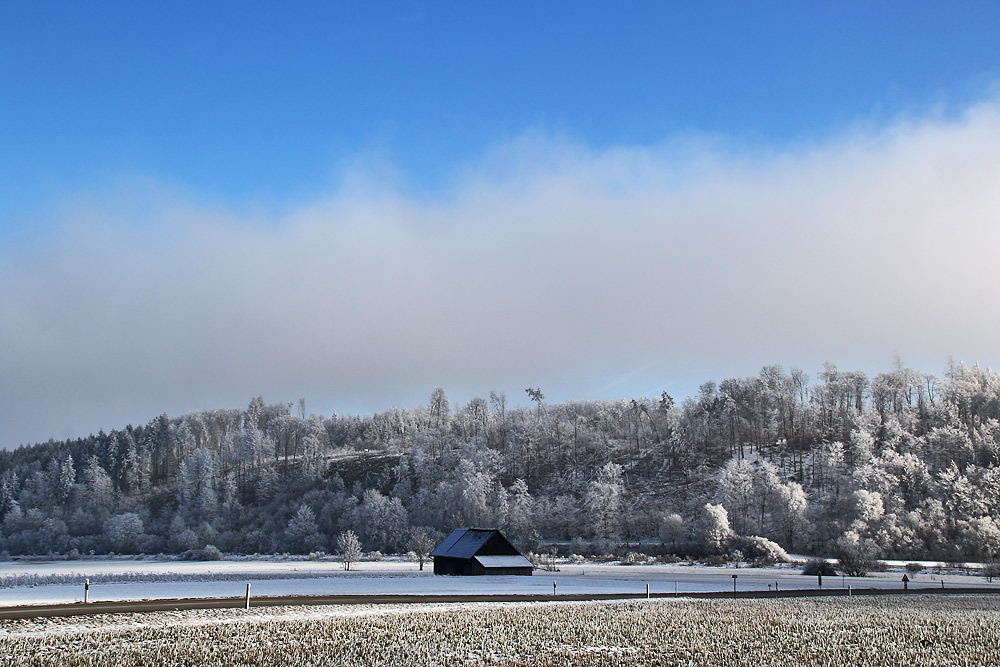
[715,560]
[210,552]
[856,555]
[817,566]
[758,551]
[578,545]
[543,561]
[913,568]
[635,558]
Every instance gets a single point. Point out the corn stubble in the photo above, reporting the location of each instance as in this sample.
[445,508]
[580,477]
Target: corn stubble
[856,631]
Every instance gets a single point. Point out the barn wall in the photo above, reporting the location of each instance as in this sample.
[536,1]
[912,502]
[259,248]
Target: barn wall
[498,545]
[444,565]
[524,571]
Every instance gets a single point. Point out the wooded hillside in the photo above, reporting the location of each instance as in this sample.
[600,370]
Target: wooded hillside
[902,464]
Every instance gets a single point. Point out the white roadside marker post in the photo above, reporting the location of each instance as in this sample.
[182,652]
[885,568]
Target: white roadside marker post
[86,591]
[248,596]
[553,587]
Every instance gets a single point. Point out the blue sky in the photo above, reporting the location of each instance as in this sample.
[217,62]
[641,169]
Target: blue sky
[264,102]
[421,145]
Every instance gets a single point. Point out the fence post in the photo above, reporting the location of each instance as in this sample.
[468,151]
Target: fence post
[248,596]
[647,591]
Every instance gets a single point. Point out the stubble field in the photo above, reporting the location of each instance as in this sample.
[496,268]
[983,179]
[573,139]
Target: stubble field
[912,630]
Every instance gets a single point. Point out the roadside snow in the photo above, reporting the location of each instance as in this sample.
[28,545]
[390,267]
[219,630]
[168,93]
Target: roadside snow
[129,579]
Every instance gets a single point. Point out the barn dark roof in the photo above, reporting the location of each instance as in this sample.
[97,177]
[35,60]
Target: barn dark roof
[463,542]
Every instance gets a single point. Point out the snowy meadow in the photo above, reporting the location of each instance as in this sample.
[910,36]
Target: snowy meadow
[30,581]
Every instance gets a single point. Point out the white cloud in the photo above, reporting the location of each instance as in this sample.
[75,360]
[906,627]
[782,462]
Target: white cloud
[549,264]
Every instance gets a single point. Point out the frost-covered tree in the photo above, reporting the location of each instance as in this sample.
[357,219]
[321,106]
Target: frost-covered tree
[537,397]
[312,455]
[736,487]
[980,537]
[181,538]
[384,521]
[62,477]
[715,530]
[520,513]
[197,478]
[672,530]
[857,555]
[604,502]
[790,515]
[8,493]
[302,532]
[348,548]
[98,488]
[439,407]
[53,535]
[421,542]
[125,532]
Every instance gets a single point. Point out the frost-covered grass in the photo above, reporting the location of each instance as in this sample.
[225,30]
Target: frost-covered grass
[916,630]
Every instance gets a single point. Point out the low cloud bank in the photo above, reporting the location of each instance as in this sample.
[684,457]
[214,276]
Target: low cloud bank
[589,273]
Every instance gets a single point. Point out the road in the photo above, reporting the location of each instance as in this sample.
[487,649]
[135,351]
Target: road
[139,606]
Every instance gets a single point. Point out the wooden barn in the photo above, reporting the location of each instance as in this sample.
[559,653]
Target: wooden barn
[471,551]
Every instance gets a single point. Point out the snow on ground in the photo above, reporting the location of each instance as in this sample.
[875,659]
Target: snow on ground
[150,564]
[269,577]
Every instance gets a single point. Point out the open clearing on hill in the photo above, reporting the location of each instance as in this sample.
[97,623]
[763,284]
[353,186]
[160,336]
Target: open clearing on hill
[915,630]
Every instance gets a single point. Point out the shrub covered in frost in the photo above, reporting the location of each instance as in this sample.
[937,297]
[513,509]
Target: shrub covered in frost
[817,566]
[759,551]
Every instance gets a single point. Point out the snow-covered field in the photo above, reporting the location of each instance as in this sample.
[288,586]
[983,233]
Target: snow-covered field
[912,630]
[136,579]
